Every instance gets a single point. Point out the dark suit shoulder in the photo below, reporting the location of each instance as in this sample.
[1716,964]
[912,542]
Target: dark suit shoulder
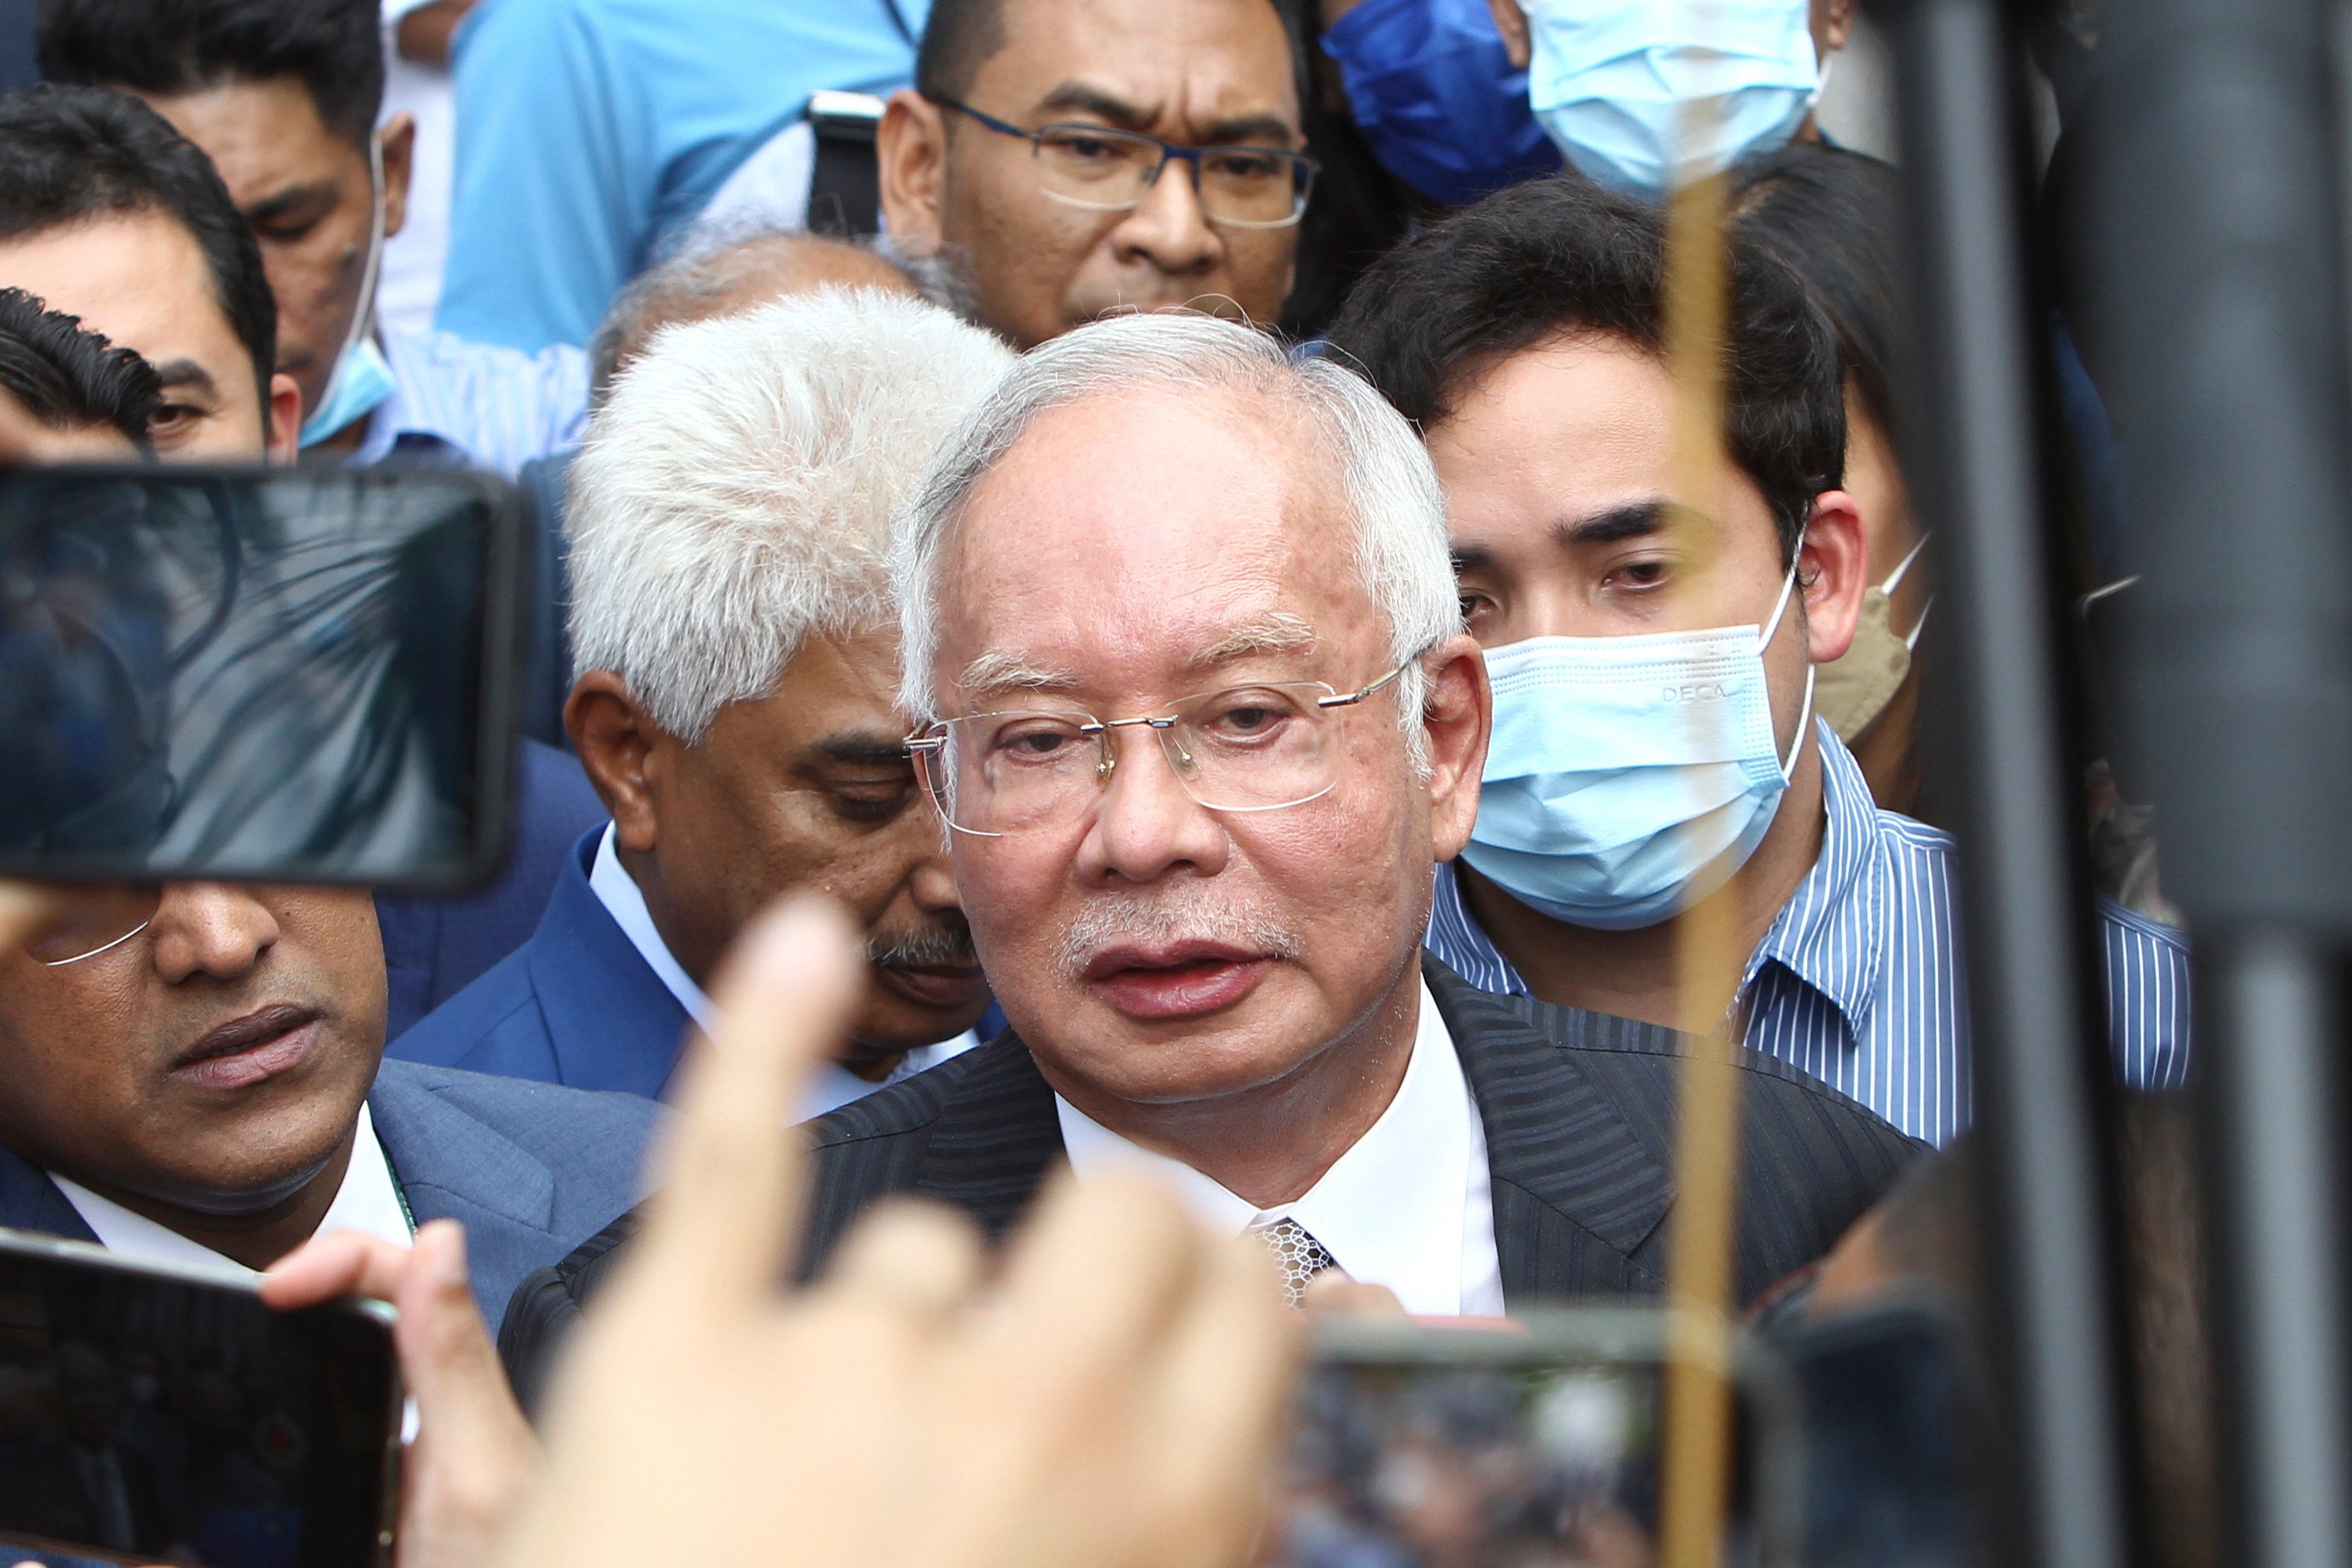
[915,1104]
[1583,1125]
[974,1132]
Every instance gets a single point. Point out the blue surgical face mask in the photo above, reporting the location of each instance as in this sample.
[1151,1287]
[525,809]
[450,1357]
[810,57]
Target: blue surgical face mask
[1437,97]
[1609,81]
[362,379]
[1629,777]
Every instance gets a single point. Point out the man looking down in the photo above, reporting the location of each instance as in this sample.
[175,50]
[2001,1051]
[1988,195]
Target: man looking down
[737,647]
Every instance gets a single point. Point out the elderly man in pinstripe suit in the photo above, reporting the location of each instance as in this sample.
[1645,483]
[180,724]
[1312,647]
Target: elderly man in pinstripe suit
[1198,747]
[1525,338]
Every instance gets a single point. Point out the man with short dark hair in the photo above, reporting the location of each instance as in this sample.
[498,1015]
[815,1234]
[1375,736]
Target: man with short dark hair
[70,394]
[1652,655]
[1067,160]
[109,215]
[283,95]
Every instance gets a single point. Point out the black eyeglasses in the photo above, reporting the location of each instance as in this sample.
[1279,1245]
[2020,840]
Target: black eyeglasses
[1103,170]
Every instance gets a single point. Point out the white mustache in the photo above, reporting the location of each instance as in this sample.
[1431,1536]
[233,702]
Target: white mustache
[1163,918]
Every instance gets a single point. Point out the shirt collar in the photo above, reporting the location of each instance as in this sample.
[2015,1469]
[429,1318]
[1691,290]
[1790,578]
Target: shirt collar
[1827,934]
[367,1202]
[1390,1210]
[407,414]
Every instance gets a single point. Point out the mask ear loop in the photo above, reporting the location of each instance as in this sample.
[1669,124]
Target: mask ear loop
[1895,581]
[363,317]
[1771,629]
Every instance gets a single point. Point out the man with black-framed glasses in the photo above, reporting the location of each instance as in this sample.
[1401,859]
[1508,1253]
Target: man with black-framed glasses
[1061,161]
[1195,697]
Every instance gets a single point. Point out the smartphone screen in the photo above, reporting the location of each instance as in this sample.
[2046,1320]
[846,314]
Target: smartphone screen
[257,674]
[148,1417]
[1446,1449]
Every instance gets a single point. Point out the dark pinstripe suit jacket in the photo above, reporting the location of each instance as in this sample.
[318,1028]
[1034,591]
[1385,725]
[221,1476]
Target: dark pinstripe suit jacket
[1578,1110]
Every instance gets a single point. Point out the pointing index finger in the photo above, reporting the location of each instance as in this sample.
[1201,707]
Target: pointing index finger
[727,1213]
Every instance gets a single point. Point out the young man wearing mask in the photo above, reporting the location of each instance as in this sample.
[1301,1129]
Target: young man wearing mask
[1653,656]
[283,97]
[1609,81]
[1061,161]
[737,650]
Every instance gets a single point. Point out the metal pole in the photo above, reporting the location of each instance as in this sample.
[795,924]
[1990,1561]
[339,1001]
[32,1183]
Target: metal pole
[2216,253]
[1969,436]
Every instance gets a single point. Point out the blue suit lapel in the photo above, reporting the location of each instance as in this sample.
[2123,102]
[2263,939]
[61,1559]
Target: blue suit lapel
[611,1022]
[31,1201]
[453,1165]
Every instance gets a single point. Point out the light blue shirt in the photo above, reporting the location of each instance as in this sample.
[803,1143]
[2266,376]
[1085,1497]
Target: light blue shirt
[1858,981]
[594,127]
[474,405]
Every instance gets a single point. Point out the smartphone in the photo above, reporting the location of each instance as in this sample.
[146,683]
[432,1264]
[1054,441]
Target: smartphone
[153,1413]
[1536,1445]
[257,675]
[1896,1416]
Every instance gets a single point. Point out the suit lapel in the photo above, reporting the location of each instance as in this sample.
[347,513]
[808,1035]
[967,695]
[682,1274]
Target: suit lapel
[451,1165]
[611,1022]
[1577,1190]
[994,1140]
[31,1201]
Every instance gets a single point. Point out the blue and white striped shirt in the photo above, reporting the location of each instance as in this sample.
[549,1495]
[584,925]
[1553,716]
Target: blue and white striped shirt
[1858,981]
[474,405]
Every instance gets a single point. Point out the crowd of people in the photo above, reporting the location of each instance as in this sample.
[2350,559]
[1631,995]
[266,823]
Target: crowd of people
[1175,518]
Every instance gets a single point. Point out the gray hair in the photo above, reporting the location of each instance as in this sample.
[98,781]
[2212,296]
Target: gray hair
[734,497]
[685,285]
[1390,488]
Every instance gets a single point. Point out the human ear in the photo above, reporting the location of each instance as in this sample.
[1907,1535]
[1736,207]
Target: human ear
[1511,21]
[1457,717]
[1832,572]
[910,155]
[283,439]
[398,141]
[1833,25]
[616,740]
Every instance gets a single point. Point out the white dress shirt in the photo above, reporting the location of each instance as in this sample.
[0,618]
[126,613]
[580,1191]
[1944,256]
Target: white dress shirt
[366,1202]
[1410,1205]
[835,1086]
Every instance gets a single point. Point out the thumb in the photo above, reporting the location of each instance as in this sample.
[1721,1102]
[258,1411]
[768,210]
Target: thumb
[463,1402]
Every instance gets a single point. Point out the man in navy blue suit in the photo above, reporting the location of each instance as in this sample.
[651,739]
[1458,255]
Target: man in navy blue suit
[196,1073]
[735,707]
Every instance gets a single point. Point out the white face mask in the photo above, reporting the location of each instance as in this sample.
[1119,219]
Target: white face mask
[1642,94]
[1629,777]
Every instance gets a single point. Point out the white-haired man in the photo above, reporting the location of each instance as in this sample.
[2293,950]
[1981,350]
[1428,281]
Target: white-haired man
[1198,704]
[737,643]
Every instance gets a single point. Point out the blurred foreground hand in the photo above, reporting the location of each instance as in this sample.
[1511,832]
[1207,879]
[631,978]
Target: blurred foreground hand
[1112,1398]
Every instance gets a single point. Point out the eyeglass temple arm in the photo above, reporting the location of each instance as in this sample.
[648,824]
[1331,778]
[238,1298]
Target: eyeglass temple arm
[1345,699]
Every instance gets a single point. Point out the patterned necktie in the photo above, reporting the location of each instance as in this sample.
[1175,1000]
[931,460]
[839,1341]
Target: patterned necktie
[1296,1252]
